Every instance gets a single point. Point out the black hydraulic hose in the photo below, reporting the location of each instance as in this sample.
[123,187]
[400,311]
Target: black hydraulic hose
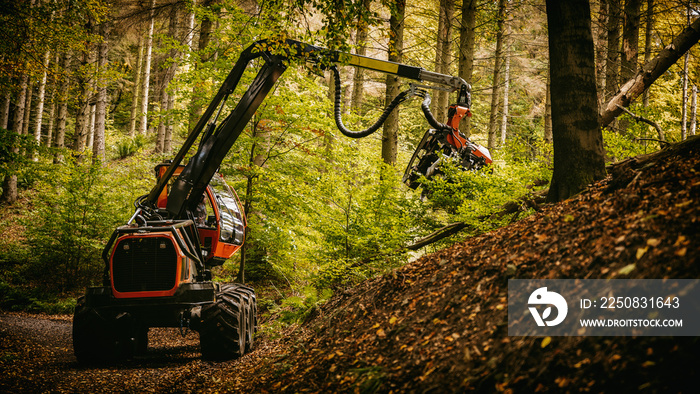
[401,97]
[425,106]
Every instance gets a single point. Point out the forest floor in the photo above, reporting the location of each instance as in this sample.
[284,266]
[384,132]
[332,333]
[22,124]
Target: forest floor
[439,324]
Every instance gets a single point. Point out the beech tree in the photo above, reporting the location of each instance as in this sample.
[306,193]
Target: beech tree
[443,55]
[148,49]
[495,89]
[578,140]
[393,84]
[466,50]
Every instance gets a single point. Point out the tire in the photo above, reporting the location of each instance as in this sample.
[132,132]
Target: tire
[101,339]
[94,341]
[252,317]
[222,333]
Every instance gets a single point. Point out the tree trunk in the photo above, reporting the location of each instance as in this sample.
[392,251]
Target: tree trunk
[98,147]
[83,107]
[9,184]
[495,90]
[602,48]
[393,84]
[612,62]
[196,108]
[548,138]
[89,144]
[255,159]
[634,87]
[166,98]
[467,40]
[189,36]
[41,95]
[506,82]
[148,49]
[630,40]
[630,47]
[361,44]
[137,90]
[5,109]
[28,108]
[693,110]
[578,141]
[443,55]
[52,109]
[62,98]
[684,99]
[649,29]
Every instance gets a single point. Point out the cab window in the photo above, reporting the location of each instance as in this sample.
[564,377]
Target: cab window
[232,228]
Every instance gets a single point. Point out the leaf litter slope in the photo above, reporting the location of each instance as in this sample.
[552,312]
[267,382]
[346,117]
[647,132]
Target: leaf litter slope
[440,323]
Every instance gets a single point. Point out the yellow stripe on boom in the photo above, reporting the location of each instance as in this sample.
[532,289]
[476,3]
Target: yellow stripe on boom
[373,64]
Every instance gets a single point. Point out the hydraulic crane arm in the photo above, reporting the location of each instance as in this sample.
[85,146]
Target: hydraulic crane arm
[219,137]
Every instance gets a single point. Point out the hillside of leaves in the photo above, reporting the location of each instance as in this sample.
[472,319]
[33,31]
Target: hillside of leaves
[439,324]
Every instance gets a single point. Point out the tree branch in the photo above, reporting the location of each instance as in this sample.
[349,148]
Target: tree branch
[651,71]
[659,130]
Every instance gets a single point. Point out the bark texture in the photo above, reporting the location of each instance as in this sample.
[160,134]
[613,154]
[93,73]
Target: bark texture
[578,141]
[393,84]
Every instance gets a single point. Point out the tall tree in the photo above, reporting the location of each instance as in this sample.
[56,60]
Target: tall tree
[612,63]
[506,83]
[148,49]
[630,46]
[443,54]
[28,107]
[601,47]
[82,116]
[630,39]
[63,88]
[9,184]
[648,30]
[137,89]
[205,30]
[495,89]
[41,96]
[166,98]
[98,147]
[693,109]
[684,101]
[393,84]
[5,109]
[578,140]
[548,138]
[361,45]
[467,39]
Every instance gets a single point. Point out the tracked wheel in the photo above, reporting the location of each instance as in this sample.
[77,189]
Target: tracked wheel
[252,315]
[222,332]
[100,338]
[94,340]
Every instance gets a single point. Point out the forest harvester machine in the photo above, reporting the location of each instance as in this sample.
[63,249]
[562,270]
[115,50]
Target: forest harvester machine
[158,265]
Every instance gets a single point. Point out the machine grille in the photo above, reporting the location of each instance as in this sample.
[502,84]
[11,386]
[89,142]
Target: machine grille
[144,264]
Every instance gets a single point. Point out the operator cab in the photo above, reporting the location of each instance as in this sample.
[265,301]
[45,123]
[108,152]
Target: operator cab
[219,217]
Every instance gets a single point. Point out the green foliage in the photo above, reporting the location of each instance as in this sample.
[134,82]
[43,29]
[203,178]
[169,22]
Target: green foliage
[73,215]
[638,138]
[12,151]
[74,208]
[472,196]
[300,307]
[37,300]
[128,146]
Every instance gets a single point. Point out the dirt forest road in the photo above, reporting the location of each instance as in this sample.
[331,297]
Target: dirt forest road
[36,355]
